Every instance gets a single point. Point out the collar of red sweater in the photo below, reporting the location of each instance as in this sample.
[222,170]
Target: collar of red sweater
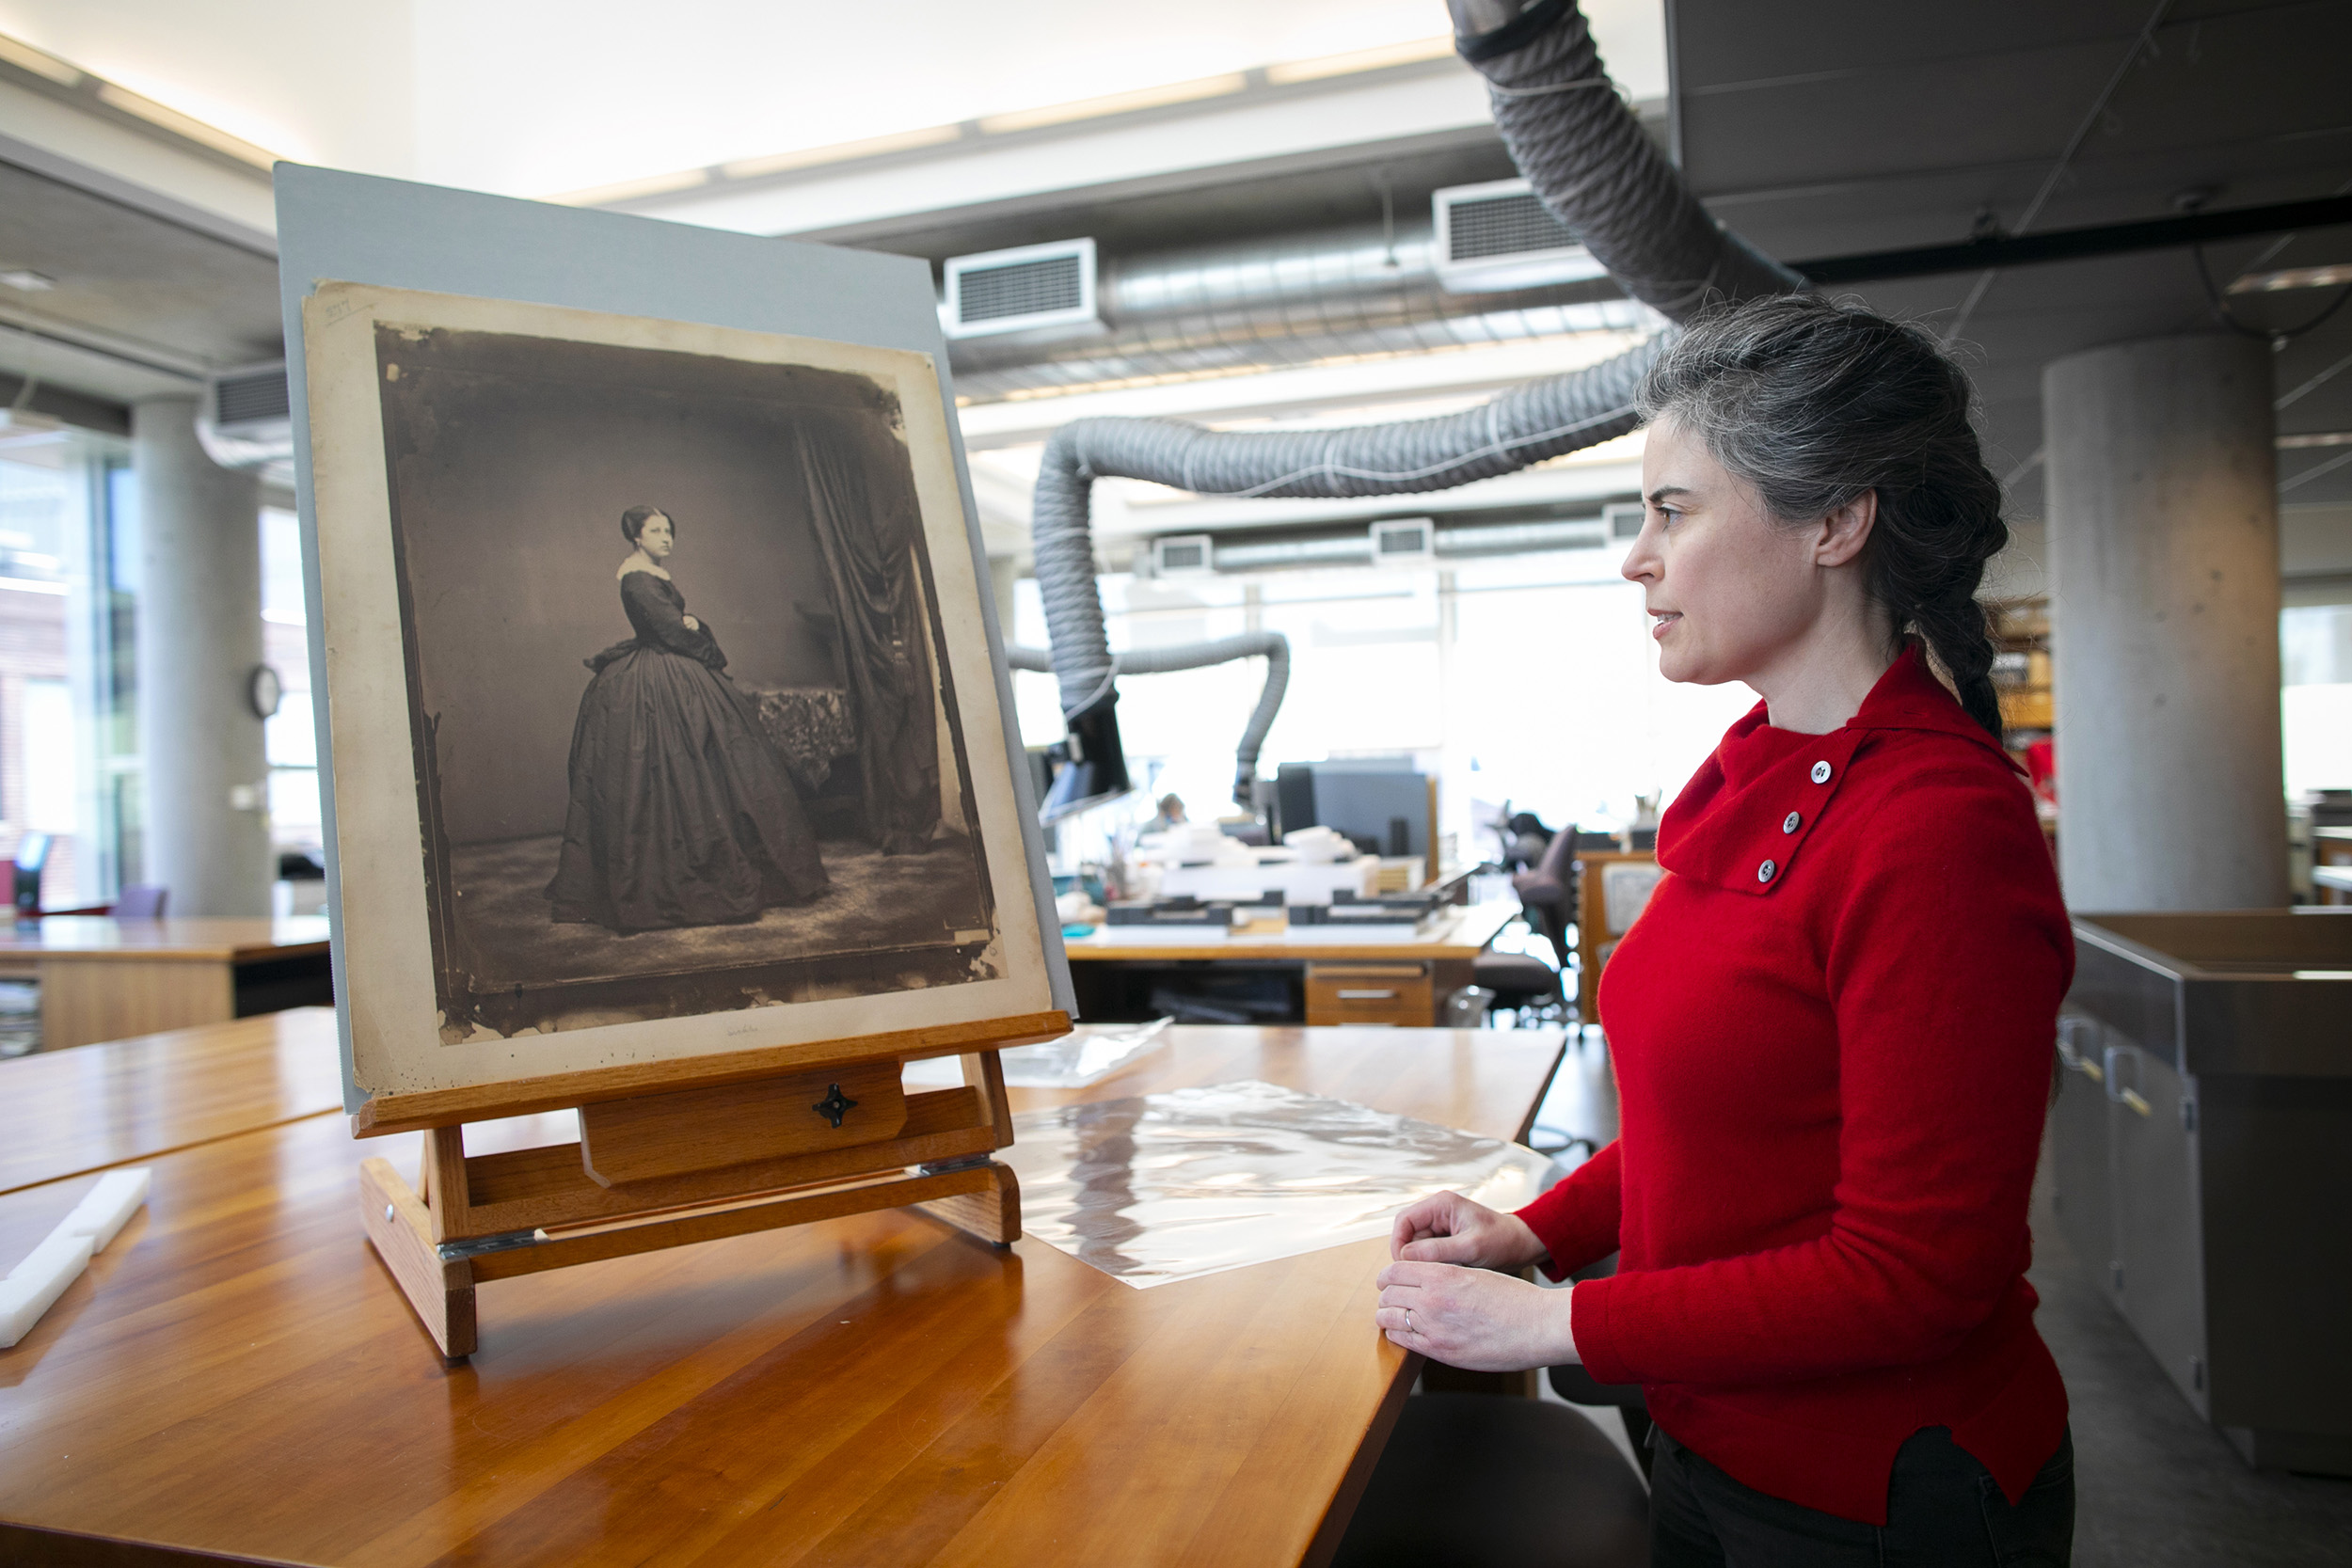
[1744,816]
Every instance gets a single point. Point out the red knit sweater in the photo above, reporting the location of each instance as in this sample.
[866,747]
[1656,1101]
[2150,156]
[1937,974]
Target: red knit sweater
[1832,1033]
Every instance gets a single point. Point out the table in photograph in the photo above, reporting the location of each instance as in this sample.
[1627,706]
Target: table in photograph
[237,1374]
[106,979]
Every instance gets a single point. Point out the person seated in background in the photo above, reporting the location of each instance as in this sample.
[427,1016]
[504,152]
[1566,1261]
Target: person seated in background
[1832,1027]
[1171,815]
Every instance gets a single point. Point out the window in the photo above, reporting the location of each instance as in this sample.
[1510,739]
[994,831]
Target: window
[2315,698]
[51,503]
[289,737]
[49,757]
[1527,678]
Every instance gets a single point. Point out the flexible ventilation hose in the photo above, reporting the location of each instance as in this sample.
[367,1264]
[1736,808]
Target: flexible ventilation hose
[1588,160]
[1272,645]
[1599,174]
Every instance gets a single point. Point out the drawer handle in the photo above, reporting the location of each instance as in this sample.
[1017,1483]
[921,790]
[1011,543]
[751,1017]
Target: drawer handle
[2131,1097]
[1368,996]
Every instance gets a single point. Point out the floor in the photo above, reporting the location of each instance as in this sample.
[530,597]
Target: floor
[875,901]
[2156,1486]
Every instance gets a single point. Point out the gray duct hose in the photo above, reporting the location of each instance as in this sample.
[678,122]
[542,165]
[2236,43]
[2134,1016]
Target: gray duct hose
[1587,158]
[1593,166]
[1272,645]
[1541,418]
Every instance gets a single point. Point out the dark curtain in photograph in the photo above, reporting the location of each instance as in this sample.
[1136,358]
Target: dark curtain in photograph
[870,571]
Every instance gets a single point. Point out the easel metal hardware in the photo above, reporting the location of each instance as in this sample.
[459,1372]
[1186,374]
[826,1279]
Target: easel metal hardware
[476,1246]
[703,1160]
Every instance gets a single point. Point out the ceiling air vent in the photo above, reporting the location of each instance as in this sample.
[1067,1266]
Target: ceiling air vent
[1183,555]
[1013,291]
[1499,236]
[246,419]
[1403,541]
[1624,519]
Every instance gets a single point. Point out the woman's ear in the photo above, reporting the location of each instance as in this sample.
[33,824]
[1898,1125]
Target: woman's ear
[1841,535]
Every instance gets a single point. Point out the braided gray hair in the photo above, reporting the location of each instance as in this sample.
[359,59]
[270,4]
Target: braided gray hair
[1815,403]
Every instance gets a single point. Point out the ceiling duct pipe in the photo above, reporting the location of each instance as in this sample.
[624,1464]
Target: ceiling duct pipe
[1264,304]
[1578,144]
[1353,547]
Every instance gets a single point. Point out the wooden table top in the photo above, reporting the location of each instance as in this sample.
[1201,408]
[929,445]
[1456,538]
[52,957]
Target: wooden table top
[67,1113]
[199,939]
[1459,931]
[238,1373]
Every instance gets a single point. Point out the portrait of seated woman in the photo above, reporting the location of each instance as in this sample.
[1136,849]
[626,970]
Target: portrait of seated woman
[680,812]
[756,792]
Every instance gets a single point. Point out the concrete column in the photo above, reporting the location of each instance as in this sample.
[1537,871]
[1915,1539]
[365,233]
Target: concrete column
[199,637]
[2164,614]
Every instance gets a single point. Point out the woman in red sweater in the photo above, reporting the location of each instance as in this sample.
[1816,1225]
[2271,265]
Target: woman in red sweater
[1832,1027]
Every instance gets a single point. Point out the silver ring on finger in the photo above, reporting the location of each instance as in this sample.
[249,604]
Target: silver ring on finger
[1409,1321]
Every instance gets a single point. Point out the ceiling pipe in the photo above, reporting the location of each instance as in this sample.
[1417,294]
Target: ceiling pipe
[1269,304]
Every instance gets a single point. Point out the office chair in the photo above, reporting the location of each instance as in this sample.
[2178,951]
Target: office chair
[1485,1481]
[140,901]
[1579,1387]
[1546,896]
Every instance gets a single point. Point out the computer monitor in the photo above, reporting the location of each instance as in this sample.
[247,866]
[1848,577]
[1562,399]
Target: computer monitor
[32,853]
[1379,802]
[1095,771]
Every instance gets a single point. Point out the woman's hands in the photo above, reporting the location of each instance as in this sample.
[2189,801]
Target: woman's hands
[1439,1297]
[1475,1320]
[692,624]
[1448,1227]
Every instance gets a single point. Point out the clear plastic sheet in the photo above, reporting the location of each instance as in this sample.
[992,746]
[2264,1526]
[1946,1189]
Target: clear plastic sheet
[1172,1186]
[1071,1062]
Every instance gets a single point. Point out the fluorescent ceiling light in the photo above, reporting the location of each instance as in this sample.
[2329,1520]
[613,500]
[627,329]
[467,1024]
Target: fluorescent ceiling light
[2292,278]
[2316,438]
[869,146]
[39,62]
[630,190]
[1116,103]
[185,125]
[28,280]
[1411,52]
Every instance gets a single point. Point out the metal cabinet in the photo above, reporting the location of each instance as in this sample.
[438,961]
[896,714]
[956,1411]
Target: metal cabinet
[2079,1177]
[2156,1271]
[2124,1177]
[2202,1160]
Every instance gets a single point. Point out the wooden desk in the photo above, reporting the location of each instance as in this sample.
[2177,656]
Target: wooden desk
[1341,976]
[238,1374]
[67,1113]
[107,979]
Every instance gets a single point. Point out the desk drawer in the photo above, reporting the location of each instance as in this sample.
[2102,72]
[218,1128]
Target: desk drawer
[1393,993]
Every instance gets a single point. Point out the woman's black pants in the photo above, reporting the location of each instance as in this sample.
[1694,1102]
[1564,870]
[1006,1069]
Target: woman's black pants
[1943,1509]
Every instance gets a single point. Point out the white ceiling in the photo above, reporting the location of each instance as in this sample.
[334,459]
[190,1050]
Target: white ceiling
[536,97]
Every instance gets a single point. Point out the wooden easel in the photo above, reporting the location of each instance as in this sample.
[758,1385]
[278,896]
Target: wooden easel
[691,1151]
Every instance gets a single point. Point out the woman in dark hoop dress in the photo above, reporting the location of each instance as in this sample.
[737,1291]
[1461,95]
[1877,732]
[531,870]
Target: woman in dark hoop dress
[680,813]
